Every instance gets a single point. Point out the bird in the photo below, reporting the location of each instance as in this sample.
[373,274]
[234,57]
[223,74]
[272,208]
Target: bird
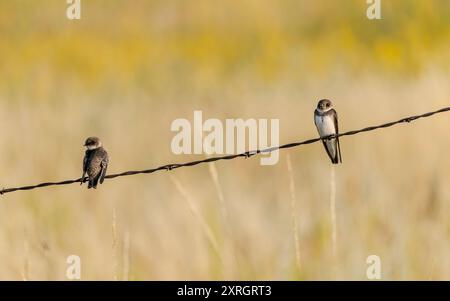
[326,120]
[95,162]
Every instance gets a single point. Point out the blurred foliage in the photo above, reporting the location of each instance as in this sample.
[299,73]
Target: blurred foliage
[160,44]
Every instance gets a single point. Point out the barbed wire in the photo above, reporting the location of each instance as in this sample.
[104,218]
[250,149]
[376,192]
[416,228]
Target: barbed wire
[247,154]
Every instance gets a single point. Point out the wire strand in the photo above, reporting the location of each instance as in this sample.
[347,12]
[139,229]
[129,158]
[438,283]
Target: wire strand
[247,154]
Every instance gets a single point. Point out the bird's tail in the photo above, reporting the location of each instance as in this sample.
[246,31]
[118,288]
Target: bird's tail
[338,158]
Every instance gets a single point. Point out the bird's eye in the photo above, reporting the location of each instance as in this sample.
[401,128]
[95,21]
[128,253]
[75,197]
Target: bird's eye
[328,105]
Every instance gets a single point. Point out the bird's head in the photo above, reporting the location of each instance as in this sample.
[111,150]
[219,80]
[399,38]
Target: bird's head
[92,143]
[324,105]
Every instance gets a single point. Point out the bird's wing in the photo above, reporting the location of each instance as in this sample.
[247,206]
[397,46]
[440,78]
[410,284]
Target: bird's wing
[338,153]
[315,115]
[104,165]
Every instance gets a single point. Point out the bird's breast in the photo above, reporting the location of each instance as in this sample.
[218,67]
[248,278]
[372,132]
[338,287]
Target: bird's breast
[325,125]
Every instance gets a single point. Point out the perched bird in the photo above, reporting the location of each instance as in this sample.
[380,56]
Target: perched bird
[95,162]
[326,120]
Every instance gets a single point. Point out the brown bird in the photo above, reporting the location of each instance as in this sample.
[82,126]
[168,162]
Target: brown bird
[326,120]
[95,162]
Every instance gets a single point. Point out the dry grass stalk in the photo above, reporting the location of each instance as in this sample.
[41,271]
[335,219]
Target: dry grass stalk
[333,216]
[204,225]
[26,265]
[294,215]
[126,256]
[114,244]
[225,215]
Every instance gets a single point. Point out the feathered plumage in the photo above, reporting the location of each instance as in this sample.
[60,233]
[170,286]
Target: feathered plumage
[326,120]
[95,162]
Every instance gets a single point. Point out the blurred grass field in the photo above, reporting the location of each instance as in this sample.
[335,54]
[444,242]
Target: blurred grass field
[125,71]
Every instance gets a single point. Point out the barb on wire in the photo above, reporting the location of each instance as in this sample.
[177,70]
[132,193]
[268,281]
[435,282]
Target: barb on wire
[169,167]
